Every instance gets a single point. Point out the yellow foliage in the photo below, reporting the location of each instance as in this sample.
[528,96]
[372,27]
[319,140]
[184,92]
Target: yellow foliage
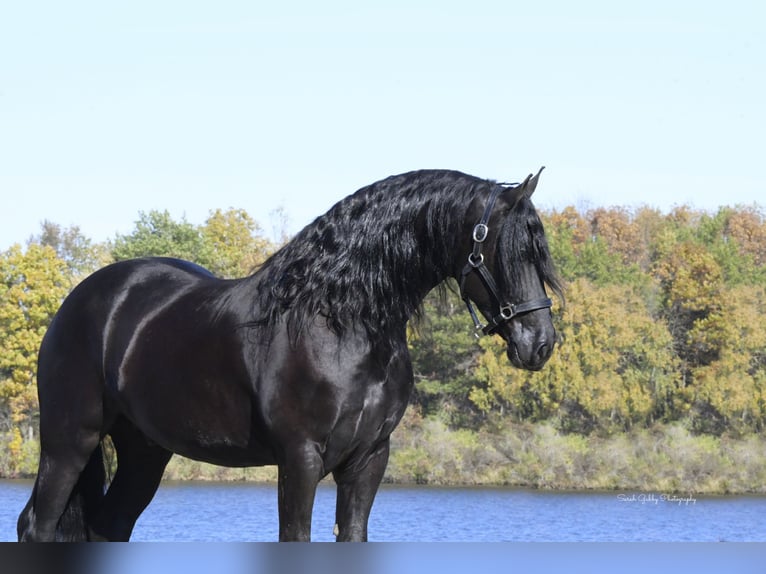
[732,383]
[615,360]
[32,286]
[236,243]
[692,277]
[747,228]
[15,444]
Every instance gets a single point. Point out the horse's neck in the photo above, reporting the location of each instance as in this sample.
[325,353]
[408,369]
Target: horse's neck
[413,260]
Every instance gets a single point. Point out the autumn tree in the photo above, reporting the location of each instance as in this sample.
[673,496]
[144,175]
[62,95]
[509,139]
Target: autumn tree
[691,282]
[615,227]
[729,391]
[234,243]
[579,251]
[747,227]
[33,283]
[614,366]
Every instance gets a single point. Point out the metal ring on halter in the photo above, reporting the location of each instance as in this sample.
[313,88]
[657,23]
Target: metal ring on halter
[508,312]
[480,232]
[475,261]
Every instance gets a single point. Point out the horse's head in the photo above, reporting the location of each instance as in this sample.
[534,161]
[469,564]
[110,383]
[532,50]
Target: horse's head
[508,266]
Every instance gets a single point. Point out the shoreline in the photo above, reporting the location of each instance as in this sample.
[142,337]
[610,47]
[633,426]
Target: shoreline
[626,496]
[425,451]
[666,459]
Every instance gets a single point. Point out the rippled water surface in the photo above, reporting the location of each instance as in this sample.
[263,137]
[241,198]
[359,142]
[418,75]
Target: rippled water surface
[247,512]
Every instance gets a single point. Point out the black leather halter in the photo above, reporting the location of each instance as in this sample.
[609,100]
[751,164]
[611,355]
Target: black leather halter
[506,311]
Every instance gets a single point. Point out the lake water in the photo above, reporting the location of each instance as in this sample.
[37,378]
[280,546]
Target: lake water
[248,512]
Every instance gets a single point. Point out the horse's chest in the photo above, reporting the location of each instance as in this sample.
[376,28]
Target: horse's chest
[367,419]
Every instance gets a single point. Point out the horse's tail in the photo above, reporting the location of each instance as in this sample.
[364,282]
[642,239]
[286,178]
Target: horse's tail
[84,502]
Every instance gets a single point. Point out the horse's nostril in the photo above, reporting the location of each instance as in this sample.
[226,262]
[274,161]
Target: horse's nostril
[544,352]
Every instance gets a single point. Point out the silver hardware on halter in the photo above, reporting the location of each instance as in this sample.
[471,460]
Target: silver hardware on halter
[508,312]
[480,232]
[474,260]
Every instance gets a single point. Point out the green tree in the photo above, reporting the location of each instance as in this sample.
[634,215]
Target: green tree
[580,251]
[444,353]
[81,255]
[157,234]
[567,232]
[229,244]
[33,282]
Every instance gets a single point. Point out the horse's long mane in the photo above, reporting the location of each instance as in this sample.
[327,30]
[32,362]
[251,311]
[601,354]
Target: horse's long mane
[364,262]
[370,260]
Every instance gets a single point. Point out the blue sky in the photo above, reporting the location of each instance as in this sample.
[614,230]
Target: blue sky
[107,109]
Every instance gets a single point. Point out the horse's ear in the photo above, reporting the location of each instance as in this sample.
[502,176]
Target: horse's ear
[525,189]
[531,182]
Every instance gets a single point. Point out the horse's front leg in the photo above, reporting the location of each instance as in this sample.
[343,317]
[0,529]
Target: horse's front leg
[356,492]
[299,475]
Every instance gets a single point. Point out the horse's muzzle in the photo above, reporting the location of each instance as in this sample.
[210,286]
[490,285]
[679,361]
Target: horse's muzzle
[532,358]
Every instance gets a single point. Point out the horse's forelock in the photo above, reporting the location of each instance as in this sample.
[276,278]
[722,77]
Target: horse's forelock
[521,239]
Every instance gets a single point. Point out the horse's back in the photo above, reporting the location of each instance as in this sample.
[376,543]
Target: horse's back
[94,301]
[77,336]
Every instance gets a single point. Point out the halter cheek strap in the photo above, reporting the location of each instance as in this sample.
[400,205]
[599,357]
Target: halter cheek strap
[475,264]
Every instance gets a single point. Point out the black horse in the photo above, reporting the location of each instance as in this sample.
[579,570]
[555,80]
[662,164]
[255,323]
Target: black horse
[304,364]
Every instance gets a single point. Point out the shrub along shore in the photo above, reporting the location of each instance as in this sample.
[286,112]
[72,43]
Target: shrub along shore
[665,458]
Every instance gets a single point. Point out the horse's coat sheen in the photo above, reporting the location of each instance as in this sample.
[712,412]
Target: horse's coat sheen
[303,364]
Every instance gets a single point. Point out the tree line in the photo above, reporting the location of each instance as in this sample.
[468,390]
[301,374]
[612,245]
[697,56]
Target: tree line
[662,323]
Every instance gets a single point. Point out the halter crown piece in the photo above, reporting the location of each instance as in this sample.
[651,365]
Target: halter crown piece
[475,264]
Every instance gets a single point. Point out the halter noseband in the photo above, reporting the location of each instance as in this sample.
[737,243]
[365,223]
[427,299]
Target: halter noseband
[506,311]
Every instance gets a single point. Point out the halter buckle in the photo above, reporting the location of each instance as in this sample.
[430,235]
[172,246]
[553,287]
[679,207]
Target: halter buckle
[480,232]
[508,312]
